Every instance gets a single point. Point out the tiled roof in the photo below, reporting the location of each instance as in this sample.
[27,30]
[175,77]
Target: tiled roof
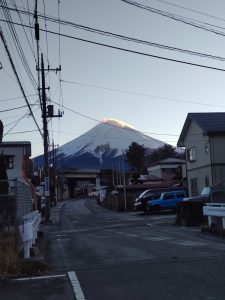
[210,123]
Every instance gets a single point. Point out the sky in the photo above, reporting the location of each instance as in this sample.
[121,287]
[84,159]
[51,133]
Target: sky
[153,95]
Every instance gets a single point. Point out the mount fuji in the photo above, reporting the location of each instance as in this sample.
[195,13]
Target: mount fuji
[101,147]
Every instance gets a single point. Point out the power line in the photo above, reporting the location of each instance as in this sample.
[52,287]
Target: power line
[192,10]
[175,17]
[128,50]
[15,98]
[20,132]
[19,82]
[109,124]
[17,43]
[126,38]
[141,94]
[10,109]
[22,22]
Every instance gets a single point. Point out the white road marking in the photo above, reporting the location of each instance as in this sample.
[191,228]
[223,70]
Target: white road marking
[39,277]
[189,243]
[76,285]
[61,235]
[157,239]
[149,224]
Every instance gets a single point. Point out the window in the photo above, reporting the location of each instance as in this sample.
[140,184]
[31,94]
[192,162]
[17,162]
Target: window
[180,195]
[191,154]
[194,187]
[168,196]
[9,161]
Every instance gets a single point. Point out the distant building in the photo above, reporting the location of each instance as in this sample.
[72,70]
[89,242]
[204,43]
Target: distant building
[170,170]
[203,136]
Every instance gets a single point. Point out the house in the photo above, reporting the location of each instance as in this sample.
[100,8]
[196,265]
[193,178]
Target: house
[20,190]
[15,153]
[203,136]
[169,170]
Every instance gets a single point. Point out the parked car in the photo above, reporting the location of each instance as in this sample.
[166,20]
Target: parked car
[190,211]
[166,200]
[208,194]
[141,201]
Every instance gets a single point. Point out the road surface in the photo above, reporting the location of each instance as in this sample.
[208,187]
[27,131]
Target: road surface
[119,256]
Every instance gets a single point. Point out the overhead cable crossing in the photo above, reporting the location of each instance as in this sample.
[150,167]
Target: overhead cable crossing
[122,37]
[127,50]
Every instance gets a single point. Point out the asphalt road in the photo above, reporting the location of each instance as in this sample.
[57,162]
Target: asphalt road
[131,256]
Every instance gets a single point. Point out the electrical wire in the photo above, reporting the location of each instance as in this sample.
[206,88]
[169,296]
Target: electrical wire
[22,22]
[130,51]
[19,82]
[31,31]
[129,39]
[192,10]
[141,94]
[109,124]
[16,98]
[187,21]
[18,44]
[14,108]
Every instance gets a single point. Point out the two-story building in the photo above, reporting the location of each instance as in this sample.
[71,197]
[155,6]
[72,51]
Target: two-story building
[203,136]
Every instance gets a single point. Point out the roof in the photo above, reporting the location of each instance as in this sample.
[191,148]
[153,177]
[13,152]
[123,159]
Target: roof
[209,122]
[16,143]
[168,161]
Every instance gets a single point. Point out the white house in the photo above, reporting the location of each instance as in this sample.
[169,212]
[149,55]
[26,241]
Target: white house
[203,136]
[14,153]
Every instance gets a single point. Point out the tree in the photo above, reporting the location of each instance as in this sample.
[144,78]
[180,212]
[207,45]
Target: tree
[136,157]
[162,153]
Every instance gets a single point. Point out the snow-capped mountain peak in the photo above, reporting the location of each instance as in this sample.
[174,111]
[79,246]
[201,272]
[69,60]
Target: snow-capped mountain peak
[102,146]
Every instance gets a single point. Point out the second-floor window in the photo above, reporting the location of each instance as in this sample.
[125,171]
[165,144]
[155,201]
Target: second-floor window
[191,154]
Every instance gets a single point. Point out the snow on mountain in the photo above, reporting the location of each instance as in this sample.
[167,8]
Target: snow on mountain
[110,134]
[103,145]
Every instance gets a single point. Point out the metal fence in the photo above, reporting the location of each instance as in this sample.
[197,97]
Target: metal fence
[15,203]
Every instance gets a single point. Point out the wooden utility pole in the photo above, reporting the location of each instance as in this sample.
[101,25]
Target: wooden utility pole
[47,112]
[45,140]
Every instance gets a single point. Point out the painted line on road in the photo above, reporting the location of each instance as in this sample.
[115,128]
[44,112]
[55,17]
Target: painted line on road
[76,285]
[39,277]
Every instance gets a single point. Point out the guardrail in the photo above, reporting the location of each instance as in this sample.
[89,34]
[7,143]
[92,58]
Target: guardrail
[28,231]
[214,210]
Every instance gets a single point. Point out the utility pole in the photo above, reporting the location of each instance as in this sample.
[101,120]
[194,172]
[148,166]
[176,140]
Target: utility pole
[45,140]
[124,185]
[47,112]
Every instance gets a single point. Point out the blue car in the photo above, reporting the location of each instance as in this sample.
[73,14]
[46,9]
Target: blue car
[166,200]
